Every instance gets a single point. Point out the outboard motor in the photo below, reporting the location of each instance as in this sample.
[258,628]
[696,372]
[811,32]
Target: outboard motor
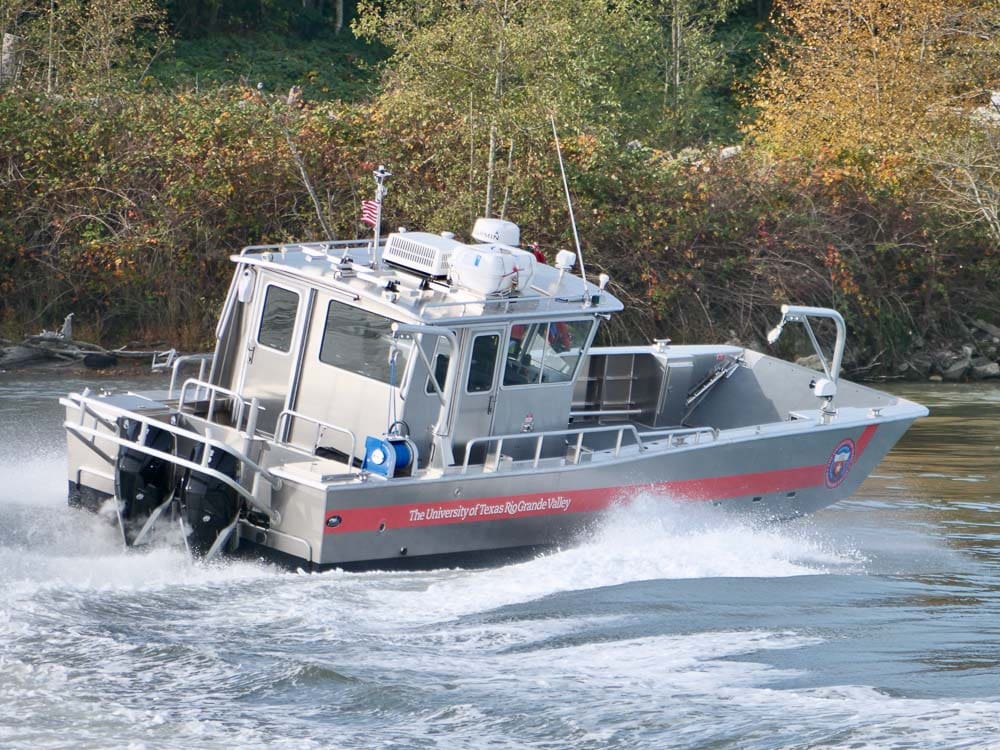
[143,483]
[209,506]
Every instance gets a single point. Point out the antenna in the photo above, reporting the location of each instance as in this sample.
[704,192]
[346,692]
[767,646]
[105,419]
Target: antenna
[572,219]
[380,174]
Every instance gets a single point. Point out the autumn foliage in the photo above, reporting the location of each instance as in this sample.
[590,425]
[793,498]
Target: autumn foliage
[124,207]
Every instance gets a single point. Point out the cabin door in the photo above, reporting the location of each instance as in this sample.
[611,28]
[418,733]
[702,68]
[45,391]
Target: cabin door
[273,345]
[478,387]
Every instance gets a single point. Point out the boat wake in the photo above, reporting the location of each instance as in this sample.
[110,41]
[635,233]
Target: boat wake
[651,538]
[501,657]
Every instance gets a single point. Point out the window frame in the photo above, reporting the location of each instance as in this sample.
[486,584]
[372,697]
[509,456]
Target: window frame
[260,322]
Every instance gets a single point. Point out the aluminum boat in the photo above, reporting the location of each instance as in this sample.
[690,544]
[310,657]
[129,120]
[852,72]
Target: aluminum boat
[422,401]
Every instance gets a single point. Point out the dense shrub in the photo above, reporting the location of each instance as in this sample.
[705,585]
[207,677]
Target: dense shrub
[125,210]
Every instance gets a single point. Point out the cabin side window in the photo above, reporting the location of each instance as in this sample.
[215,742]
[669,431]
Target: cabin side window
[277,320]
[442,355]
[360,341]
[545,352]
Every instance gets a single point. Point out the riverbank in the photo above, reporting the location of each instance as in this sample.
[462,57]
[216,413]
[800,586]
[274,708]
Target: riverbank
[702,244]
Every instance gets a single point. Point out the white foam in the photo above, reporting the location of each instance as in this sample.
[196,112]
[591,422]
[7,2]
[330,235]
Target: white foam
[36,478]
[650,539]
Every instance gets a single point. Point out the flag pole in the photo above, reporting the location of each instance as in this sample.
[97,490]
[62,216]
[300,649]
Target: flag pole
[381,174]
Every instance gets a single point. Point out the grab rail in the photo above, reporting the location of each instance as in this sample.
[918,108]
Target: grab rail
[201,359]
[539,437]
[675,437]
[211,390]
[679,437]
[289,414]
[86,406]
[268,530]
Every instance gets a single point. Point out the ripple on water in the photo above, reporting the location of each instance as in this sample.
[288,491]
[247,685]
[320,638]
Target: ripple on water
[668,626]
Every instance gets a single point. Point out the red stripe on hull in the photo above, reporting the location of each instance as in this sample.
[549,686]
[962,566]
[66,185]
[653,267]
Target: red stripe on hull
[580,501]
[866,436]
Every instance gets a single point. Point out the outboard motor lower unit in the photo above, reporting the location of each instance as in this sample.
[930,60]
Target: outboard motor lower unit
[142,482]
[209,505]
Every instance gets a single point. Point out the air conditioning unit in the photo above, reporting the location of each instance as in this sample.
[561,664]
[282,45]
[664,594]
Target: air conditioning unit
[426,253]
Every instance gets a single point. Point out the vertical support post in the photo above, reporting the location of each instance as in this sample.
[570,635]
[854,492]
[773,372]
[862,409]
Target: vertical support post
[252,419]
[381,174]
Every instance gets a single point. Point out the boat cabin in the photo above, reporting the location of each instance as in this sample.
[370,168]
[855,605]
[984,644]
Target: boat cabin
[425,337]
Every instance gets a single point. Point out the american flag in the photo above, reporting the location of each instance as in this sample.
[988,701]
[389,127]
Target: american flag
[369,212]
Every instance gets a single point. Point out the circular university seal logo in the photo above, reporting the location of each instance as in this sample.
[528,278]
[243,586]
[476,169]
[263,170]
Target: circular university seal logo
[840,463]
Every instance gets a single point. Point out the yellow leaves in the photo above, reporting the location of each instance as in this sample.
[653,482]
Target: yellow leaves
[862,75]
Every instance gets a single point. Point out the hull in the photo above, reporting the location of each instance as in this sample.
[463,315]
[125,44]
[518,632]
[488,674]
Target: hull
[452,519]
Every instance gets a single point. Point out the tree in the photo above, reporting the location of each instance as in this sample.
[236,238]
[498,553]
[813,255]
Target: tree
[83,43]
[968,175]
[691,60]
[510,64]
[869,75]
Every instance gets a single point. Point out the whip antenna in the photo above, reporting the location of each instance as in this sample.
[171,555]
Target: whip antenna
[569,202]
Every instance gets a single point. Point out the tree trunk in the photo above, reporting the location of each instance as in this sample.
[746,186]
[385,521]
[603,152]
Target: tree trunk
[338,8]
[49,67]
[676,36]
[497,92]
[9,59]
[490,169]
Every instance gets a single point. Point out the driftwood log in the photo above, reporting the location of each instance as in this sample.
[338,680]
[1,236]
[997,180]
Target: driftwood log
[60,346]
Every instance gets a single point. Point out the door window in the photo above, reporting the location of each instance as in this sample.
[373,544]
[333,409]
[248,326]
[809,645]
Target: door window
[277,320]
[483,362]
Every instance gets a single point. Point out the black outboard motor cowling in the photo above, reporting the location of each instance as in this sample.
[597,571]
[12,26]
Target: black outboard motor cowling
[142,482]
[208,505]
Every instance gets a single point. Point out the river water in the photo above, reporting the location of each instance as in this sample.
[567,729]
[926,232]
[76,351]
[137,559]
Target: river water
[875,623]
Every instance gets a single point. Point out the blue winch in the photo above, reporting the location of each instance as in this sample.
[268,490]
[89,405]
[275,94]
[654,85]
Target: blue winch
[389,456]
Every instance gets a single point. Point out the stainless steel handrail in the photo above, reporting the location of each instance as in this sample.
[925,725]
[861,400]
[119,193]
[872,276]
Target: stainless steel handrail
[675,437]
[289,414]
[540,437]
[212,390]
[202,359]
[268,530]
[87,404]
[679,436]
[324,245]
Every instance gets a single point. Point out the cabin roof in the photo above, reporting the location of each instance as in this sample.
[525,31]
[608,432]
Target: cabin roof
[403,294]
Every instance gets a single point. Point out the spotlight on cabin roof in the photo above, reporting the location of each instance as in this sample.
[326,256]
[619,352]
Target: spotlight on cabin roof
[565,260]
